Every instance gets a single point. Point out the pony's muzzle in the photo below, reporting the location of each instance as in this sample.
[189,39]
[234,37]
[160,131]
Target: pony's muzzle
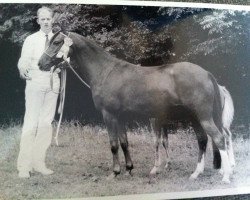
[44,67]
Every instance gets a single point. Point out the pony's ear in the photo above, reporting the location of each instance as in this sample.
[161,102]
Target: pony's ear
[56,27]
[65,32]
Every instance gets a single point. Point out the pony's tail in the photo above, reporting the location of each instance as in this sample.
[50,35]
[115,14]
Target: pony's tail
[217,116]
[228,108]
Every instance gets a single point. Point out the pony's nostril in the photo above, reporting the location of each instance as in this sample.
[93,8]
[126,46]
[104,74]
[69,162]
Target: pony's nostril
[47,67]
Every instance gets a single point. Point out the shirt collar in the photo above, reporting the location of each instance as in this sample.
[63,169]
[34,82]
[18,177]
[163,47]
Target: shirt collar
[50,34]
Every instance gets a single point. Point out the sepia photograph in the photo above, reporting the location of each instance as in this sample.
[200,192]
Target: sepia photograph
[124,100]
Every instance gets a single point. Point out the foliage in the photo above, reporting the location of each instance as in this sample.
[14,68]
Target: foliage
[225,28]
[16,20]
[139,38]
[218,40]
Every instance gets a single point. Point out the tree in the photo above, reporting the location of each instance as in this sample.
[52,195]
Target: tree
[218,40]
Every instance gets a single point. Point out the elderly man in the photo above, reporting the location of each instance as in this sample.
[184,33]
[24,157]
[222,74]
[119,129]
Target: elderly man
[40,100]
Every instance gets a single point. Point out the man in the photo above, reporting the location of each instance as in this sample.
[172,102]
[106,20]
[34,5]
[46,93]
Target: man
[40,100]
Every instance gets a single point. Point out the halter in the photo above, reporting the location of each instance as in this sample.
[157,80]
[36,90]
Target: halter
[65,60]
[51,56]
[58,49]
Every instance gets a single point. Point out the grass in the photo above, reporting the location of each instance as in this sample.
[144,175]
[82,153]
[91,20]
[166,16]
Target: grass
[83,161]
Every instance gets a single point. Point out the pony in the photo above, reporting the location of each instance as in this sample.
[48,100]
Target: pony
[122,90]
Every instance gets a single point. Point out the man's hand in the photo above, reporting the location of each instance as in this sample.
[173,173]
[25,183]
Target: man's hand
[24,74]
[58,70]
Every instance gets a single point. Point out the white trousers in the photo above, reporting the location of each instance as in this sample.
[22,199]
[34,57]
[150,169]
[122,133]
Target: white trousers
[40,105]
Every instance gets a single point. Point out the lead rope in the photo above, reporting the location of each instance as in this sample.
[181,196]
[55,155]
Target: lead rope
[78,75]
[62,100]
[62,93]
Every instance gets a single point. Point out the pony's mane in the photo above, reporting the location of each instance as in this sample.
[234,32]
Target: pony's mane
[82,40]
[93,45]
[89,41]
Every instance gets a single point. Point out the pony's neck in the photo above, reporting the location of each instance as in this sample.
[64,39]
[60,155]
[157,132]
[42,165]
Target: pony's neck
[92,61]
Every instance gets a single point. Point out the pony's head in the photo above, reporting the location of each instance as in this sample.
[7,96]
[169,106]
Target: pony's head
[57,51]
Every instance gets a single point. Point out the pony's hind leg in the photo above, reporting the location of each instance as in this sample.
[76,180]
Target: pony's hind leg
[211,129]
[165,144]
[202,142]
[230,150]
[125,147]
[217,157]
[113,128]
[157,130]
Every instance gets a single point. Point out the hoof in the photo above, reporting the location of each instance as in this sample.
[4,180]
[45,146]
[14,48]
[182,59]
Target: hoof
[167,165]
[221,171]
[129,167]
[128,173]
[111,177]
[152,176]
[155,170]
[226,180]
[117,169]
[232,164]
[193,176]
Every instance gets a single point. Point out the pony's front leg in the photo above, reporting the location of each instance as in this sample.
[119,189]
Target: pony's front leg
[125,147]
[112,126]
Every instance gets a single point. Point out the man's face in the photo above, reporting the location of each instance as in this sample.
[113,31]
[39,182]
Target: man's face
[45,21]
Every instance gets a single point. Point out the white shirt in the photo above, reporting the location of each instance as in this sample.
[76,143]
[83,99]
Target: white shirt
[32,50]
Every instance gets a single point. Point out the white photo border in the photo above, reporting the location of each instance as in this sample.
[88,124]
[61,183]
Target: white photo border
[172,195]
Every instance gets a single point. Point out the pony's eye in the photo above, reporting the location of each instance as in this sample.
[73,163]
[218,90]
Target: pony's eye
[56,42]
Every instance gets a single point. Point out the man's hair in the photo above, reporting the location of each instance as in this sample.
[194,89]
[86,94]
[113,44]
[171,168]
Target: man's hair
[44,8]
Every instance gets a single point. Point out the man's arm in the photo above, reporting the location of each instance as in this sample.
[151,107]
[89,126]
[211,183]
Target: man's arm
[25,59]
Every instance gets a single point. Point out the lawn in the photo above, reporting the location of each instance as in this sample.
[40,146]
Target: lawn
[83,161]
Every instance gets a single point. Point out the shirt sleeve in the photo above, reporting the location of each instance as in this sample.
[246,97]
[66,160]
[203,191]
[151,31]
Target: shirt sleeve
[26,55]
